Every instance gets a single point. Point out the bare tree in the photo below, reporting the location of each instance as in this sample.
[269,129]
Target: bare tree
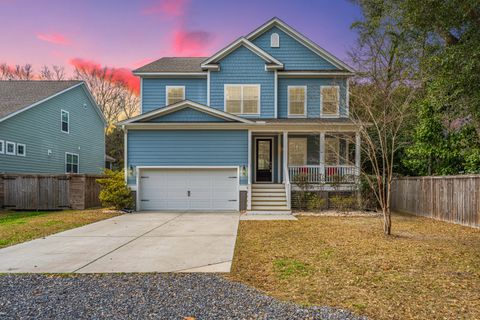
[18,72]
[112,94]
[54,73]
[382,97]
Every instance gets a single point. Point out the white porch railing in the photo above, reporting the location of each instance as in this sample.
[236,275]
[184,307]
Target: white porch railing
[323,174]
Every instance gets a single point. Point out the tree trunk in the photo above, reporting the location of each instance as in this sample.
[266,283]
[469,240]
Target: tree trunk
[387,221]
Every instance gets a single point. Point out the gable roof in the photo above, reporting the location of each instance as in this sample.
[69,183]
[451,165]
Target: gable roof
[173,64]
[302,39]
[272,62]
[19,95]
[181,105]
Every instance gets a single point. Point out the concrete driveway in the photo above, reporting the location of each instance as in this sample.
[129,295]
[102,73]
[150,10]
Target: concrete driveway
[137,242]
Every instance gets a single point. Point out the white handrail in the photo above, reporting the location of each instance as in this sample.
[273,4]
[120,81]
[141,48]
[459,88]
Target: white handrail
[324,174]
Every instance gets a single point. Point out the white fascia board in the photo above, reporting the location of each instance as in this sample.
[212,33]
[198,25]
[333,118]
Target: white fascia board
[286,74]
[43,100]
[186,104]
[171,74]
[302,39]
[236,44]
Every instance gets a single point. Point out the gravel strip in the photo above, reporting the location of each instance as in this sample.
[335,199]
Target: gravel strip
[144,296]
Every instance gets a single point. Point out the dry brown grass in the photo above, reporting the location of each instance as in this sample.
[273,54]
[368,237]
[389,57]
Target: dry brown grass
[426,270]
[16,227]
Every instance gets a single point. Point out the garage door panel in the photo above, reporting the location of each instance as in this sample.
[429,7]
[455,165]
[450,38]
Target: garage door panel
[210,189]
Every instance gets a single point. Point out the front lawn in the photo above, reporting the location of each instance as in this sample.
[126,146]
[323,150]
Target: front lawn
[426,270]
[16,227]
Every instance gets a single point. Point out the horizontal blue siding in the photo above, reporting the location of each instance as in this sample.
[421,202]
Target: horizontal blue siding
[293,54]
[313,94]
[187,148]
[187,115]
[153,91]
[243,67]
[39,128]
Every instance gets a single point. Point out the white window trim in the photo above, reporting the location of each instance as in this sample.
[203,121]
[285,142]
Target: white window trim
[73,154]
[306,149]
[2,146]
[61,121]
[225,86]
[304,103]
[24,150]
[14,148]
[337,114]
[173,87]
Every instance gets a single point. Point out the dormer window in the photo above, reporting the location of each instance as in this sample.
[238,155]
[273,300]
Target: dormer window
[274,40]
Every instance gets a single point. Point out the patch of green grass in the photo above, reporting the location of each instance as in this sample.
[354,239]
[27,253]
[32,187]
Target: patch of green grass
[286,268]
[16,227]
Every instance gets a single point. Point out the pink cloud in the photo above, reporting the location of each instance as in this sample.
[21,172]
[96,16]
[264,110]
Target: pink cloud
[55,38]
[170,8]
[190,43]
[142,62]
[120,75]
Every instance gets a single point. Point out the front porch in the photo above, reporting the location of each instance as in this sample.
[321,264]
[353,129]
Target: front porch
[321,161]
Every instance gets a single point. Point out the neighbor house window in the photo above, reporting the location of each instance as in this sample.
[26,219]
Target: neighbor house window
[274,40]
[242,99]
[21,149]
[175,94]
[65,121]
[10,148]
[297,101]
[330,97]
[297,151]
[2,146]
[71,163]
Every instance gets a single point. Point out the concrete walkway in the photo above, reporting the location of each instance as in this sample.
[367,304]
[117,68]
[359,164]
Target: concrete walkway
[137,242]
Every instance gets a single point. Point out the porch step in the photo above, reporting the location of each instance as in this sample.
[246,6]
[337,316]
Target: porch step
[269,203]
[268,186]
[274,197]
[270,208]
[273,192]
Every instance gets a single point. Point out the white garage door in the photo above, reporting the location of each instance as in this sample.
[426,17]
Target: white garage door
[189,189]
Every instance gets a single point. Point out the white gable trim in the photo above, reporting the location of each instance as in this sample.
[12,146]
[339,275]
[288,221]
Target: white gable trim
[185,104]
[300,38]
[209,63]
[89,95]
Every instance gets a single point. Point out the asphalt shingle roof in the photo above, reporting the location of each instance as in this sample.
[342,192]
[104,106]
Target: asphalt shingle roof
[174,64]
[16,95]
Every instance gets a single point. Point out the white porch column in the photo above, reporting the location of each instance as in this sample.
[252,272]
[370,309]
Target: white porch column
[322,155]
[286,178]
[249,173]
[357,152]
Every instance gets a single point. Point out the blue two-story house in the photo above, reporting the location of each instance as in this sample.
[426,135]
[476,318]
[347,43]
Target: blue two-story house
[235,130]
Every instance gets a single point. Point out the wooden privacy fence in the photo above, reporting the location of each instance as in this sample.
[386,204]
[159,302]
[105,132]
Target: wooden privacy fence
[449,198]
[49,192]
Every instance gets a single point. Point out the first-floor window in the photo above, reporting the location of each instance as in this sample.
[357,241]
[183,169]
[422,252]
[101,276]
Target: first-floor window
[297,100]
[10,148]
[242,99]
[2,146]
[21,149]
[175,94]
[297,151]
[71,163]
[330,97]
[339,150]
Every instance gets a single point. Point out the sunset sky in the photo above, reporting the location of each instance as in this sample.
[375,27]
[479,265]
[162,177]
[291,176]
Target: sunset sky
[128,34]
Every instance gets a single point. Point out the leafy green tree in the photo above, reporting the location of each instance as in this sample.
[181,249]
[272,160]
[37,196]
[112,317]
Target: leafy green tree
[115,191]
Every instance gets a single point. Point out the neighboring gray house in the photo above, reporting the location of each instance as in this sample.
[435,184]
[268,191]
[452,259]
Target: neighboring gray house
[50,127]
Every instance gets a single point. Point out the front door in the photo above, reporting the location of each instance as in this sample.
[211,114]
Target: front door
[264,163]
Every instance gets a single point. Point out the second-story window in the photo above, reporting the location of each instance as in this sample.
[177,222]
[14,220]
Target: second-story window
[242,99]
[297,101]
[330,100]
[65,121]
[175,94]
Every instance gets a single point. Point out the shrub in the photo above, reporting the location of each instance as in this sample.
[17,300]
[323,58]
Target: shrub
[315,202]
[115,191]
[343,203]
